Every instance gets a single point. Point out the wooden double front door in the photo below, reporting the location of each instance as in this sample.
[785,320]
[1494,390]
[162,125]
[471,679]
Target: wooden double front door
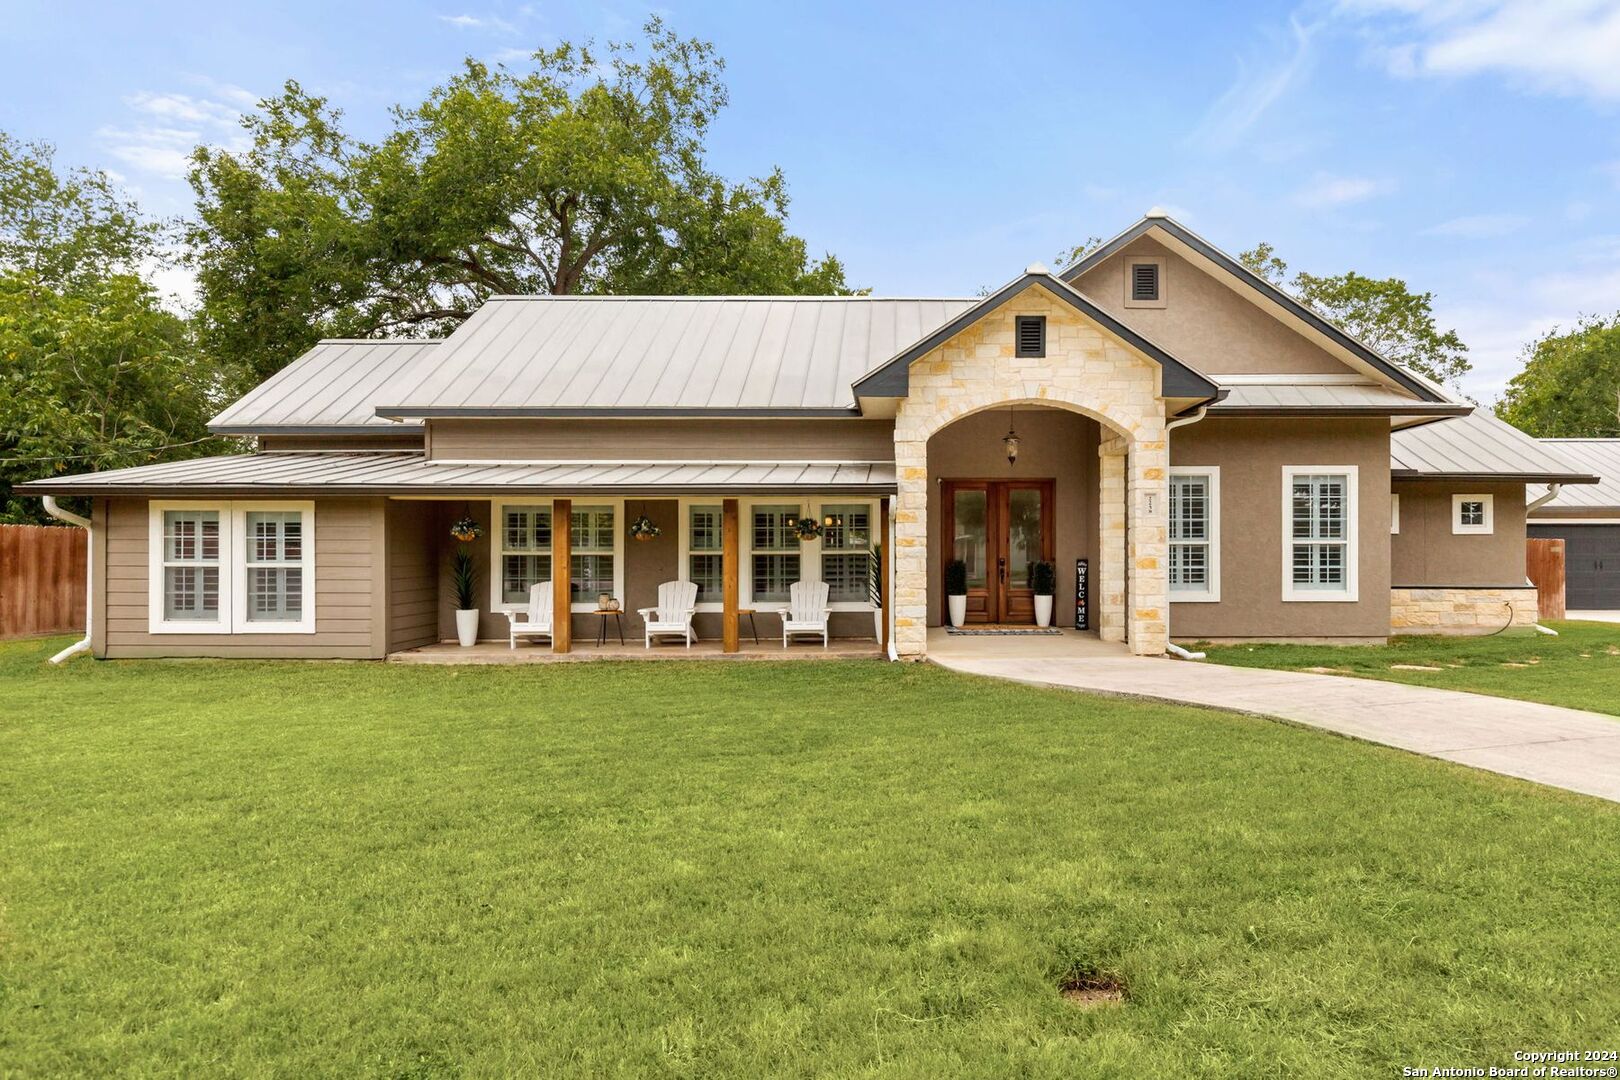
[999,528]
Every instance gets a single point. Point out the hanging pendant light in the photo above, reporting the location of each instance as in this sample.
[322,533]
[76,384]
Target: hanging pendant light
[1010,440]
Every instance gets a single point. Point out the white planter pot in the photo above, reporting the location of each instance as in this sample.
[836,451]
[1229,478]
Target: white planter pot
[958,606]
[467,627]
[877,624]
[1043,611]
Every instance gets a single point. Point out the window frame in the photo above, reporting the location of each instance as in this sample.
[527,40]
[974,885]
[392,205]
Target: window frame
[1129,264]
[686,506]
[1485,528]
[1211,592]
[233,566]
[499,552]
[809,550]
[1350,593]
[497,530]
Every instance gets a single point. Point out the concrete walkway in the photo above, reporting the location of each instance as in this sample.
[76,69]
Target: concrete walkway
[1565,748]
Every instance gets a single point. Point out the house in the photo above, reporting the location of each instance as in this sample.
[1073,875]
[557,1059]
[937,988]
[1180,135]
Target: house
[1200,455]
[1587,519]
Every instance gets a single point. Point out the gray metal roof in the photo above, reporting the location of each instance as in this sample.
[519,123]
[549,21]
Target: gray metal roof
[1480,446]
[410,473]
[544,354]
[1275,397]
[1601,456]
[334,386]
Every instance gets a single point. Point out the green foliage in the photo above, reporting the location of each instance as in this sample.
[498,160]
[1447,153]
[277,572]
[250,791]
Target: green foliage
[1042,578]
[874,575]
[585,174]
[1570,384]
[1382,313]
[1071,255]
[464,578]
[642,869]
[956,578]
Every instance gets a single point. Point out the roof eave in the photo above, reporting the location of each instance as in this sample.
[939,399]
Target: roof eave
[1436,411]
[525,412]
[1494,478]
[314,429]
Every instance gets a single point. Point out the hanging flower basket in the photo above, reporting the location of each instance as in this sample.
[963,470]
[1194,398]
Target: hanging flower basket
[808,528]
[466,530]
[643,528]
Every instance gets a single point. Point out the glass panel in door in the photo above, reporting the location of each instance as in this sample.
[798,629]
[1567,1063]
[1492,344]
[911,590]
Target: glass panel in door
[1025,541]
[970,544]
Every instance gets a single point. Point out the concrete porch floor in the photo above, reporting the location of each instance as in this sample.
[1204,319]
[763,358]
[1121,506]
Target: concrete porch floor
[948,648]
[500,652]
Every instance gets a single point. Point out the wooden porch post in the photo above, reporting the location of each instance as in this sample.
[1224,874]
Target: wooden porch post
[883,569]
[562,607]
[729,640]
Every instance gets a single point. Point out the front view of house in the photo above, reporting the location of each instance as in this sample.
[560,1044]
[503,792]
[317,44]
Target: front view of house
[1199,455]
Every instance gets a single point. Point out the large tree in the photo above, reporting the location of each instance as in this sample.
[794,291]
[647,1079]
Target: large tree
[94,373]
[585,173]
[1382,313]
[1570,384]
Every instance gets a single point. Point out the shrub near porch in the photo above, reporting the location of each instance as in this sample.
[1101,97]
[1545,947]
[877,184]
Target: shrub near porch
[720,869]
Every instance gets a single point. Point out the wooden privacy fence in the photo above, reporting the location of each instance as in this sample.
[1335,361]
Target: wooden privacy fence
[41,579]
[1544,564]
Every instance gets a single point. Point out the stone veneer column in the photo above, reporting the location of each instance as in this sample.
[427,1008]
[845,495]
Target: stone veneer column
[1147,591]
[1111,537]
[910,586]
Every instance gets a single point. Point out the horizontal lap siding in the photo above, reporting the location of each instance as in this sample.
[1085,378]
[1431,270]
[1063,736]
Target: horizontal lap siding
[663,440]
[413,575]
[345,591]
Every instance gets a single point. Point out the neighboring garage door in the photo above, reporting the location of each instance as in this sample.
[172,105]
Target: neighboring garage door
[1591,564]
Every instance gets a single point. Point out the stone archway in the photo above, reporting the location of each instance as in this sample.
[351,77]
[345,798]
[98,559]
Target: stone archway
[1086,371]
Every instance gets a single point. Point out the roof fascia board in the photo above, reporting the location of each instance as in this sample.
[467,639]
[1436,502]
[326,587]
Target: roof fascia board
[525,412]
[275,491]
[1494,478]
[1437,411]
[1186,243]
[317,429]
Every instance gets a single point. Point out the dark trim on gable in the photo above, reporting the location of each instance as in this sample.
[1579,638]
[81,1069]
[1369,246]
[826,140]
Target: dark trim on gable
[893,378]
[1258,284]
[525,412]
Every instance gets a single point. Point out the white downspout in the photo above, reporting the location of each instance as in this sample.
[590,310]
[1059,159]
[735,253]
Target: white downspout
[89,572]
[888,559]
[1552,493]
[1169,646]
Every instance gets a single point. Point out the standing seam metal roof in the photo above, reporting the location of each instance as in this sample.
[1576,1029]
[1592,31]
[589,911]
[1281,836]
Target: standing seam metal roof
[1601,456]
[334,385]
[1478,445]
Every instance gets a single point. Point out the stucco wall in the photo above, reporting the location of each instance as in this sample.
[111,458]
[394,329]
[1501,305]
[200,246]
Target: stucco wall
[1056,443]
[1204,322]
[1251,455]
[1426,552]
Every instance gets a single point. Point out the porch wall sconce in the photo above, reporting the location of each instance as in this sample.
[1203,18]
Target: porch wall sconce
[1010,440]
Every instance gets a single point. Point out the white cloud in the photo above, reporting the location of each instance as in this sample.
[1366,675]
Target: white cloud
[167,127]
[1256,89]
[1566,47]
[1326,191]
[1479,226]
[479,22]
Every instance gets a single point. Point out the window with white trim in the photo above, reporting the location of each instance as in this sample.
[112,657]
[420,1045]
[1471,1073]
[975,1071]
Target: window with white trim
[274,541]
[525,550]
[705,541]
[774,551]
[1319,533]
[1473,515]
[592,548]
[232,567]
[846,544]
[1195,533]
[191,565]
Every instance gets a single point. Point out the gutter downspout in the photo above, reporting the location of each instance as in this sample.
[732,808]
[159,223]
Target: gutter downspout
[89,572]
[1169,646]
[1552,493]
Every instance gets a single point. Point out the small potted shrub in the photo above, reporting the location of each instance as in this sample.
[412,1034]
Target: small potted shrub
[1043,582]
[956,591]
[464,581]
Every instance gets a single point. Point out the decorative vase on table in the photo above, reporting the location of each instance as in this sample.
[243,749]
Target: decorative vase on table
[1043,582]
[464,581]
[956,591]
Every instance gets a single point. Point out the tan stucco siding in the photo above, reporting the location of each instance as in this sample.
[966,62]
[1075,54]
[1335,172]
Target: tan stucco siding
[663,439]
[1056,443]
[413,575]
[348,590]
[1203,322]
[1427,552]
[1251,455]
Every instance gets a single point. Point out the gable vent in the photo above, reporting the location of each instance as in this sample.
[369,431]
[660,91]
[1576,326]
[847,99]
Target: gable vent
[1144,281]
[1031,334]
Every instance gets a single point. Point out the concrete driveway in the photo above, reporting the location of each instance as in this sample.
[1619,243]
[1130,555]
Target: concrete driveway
[1567,748]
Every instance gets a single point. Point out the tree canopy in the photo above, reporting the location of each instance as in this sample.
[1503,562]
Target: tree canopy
[1382,313]
[584,174]
[1570,384]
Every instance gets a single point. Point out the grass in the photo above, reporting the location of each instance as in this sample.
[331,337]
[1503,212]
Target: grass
[850,869]
[1580,668]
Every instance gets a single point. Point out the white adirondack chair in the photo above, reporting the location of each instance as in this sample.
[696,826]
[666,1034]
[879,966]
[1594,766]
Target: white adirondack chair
[534,620]
[806,612]
[677,600]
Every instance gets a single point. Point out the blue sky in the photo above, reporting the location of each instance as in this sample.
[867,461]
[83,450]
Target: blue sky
[1469,146]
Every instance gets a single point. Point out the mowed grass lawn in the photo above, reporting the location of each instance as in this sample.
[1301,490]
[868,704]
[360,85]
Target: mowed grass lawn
[710,869]
[1579,669]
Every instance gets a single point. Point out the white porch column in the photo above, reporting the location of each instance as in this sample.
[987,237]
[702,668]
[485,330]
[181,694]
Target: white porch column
[1110,602]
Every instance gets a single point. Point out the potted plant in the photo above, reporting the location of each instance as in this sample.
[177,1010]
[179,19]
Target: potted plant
[956,591]
[464,580]
[1043,582]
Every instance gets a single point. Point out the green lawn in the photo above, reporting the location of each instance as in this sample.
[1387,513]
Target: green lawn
[836,868]
[1580,668]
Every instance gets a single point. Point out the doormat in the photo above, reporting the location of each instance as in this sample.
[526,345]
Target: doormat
[1004,631]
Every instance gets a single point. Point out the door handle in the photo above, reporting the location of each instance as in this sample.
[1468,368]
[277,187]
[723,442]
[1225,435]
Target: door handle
[1001,570]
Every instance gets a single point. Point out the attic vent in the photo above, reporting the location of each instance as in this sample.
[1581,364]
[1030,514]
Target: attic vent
[1144,281]
[1031,333]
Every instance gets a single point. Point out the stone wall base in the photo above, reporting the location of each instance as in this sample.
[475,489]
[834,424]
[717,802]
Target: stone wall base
[1460,609]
